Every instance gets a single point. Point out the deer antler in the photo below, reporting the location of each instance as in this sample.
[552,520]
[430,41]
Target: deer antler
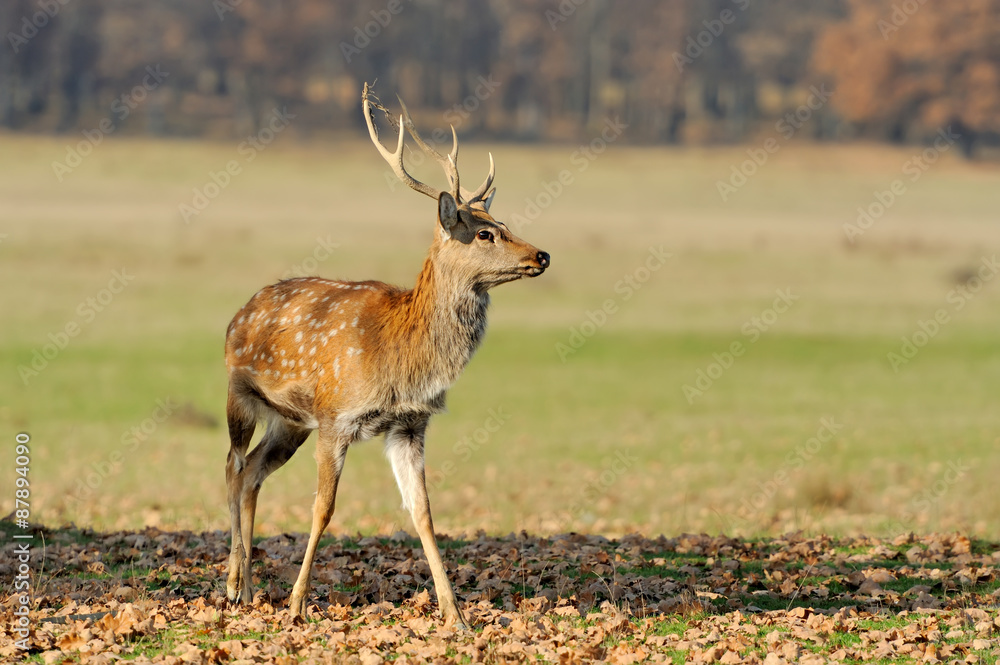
[484,189]
[469,197]
[449,163]
[395,159]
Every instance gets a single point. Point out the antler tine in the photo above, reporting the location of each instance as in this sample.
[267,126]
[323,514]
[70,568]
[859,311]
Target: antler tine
[455,187]
[395,159]
[484,188]
[449,163]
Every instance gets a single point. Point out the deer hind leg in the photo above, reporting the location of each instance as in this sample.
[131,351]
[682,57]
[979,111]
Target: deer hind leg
[242,423]
[277,447]
[405,450]
[331,451]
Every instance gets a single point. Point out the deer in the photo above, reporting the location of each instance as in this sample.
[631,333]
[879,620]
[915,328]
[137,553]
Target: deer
[354,360]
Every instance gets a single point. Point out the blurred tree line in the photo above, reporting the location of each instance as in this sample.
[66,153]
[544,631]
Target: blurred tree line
[676,71]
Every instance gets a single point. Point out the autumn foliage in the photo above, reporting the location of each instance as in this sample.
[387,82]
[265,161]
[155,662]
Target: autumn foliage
[680,71]
[157,596]
[903,70]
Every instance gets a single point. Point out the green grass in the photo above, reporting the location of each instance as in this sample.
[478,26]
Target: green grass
[690,466]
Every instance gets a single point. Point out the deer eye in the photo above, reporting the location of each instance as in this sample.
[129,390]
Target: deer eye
[485,235]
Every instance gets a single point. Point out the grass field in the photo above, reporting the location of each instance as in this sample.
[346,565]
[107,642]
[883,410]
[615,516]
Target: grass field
[605,442]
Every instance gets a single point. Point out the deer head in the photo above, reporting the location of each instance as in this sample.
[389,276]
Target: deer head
[469,245]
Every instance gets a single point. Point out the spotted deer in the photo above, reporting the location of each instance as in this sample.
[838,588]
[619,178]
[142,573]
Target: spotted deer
[353,360]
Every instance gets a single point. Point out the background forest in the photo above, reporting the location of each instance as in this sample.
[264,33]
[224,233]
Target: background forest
[676,71]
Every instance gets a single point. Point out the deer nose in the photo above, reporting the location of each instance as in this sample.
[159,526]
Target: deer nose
[543,259]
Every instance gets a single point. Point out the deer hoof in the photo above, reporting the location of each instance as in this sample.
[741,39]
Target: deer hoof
[297,606]
[456,620]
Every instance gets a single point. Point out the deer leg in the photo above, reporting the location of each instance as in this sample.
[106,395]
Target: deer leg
[331,451]
[241,429]
[276,448]
[405,450]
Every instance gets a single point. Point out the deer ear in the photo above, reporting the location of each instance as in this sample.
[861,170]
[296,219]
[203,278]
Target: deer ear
[447,213]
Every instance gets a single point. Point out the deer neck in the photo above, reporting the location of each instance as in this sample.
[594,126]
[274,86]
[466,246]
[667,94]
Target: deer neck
[437,327]
[452,311]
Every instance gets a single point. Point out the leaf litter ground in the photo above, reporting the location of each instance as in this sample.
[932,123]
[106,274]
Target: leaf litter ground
[159,596]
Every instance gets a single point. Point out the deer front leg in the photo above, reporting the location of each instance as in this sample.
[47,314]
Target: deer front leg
[405,449]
